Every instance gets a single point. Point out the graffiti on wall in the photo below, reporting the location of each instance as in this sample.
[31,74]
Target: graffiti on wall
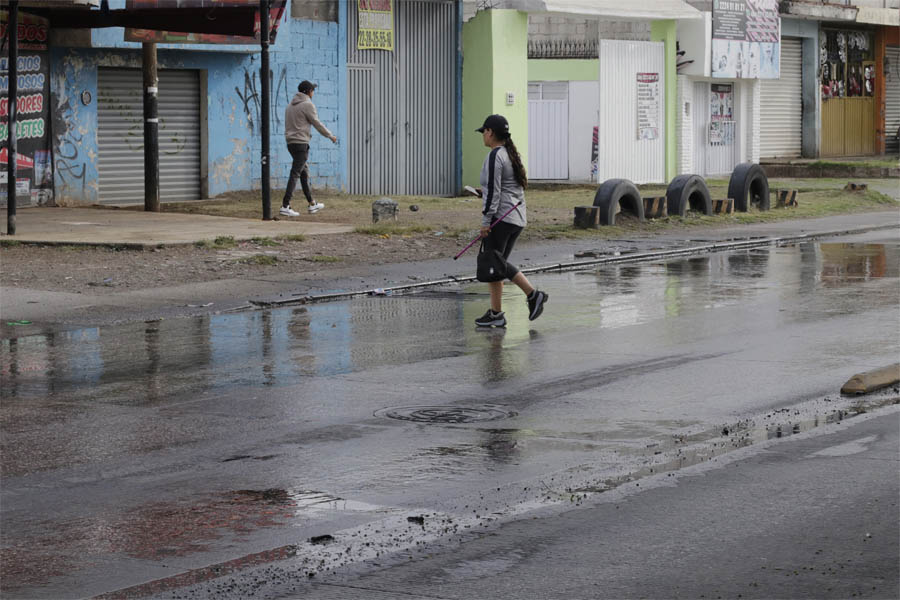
[251,98]
[70,166]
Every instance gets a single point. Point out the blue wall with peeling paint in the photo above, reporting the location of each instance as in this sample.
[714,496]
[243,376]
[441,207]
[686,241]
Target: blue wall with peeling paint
[303,50]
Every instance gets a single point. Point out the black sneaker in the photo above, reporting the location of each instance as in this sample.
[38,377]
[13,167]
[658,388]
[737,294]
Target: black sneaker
[491,319]
[536,302]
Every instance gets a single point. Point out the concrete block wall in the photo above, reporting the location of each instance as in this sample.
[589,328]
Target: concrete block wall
[310,51]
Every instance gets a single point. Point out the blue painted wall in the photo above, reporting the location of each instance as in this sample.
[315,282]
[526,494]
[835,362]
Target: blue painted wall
[303,50]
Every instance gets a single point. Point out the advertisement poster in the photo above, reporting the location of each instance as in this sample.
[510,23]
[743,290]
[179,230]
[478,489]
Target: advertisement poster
[376,25]
[276,10]
[34,169]
[647,106]
[746,39]
[721,102]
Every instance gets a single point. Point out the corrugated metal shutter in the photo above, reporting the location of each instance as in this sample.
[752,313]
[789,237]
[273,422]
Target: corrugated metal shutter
[781,106]
[402,104]
[548,131]
[892,102]
[120,135]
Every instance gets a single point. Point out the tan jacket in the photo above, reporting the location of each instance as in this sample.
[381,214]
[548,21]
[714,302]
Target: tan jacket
[298,116]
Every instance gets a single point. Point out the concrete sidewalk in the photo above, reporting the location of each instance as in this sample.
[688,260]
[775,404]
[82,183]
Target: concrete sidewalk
[61,225]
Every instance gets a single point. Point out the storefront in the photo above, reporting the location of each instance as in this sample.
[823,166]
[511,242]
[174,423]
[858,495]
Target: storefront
[848,79]
[34,166]
[728,60]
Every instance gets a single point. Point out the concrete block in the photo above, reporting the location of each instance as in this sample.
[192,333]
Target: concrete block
[384,209]
[863,383]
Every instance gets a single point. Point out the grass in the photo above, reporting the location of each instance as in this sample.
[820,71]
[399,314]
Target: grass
[265,241]
[293,237]
[259,259]
[324,258]
[223,242]
[392,228]
[9,243]
[550,211]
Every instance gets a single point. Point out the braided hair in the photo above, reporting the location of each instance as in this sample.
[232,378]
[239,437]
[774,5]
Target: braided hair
[518,167]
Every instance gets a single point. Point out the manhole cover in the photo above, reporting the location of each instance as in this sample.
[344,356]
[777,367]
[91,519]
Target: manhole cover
[445,414]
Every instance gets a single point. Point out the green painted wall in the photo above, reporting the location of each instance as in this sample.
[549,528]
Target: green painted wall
[576,69]
[666,31]
[495,61]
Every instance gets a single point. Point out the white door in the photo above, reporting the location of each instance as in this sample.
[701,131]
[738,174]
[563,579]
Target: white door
[781,106]
[632,120]
[548,130]
[715,128]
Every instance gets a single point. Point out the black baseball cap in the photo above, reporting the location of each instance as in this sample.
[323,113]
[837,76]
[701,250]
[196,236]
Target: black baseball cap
[306,86]
[496,123]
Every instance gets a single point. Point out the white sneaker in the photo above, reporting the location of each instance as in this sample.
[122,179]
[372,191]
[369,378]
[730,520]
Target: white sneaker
[314,208]
[287,211]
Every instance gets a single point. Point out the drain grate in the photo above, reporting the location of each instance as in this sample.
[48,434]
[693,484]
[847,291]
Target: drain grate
[445,414]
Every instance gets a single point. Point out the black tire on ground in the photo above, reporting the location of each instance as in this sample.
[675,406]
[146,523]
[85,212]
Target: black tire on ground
[749,185]
[615,193]
[688,192]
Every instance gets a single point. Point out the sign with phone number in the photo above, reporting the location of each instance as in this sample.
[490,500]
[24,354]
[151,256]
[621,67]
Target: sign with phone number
[376,25]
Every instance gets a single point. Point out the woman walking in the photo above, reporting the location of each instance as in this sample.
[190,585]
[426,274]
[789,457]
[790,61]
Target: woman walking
[503,182]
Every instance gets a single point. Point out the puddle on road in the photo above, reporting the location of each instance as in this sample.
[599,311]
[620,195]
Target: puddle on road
[150,363]
[159,531]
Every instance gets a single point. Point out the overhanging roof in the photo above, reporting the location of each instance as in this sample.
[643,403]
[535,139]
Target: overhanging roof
[611,9]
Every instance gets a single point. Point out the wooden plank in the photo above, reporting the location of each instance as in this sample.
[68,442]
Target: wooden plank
[587,217]
[656,207]
[723,207]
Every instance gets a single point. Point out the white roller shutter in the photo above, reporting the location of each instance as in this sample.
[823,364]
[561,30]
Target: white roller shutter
[892,102]
[781,106]
[120,135]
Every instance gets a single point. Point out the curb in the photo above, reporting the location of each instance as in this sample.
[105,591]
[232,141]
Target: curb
[870,381]
[573,266]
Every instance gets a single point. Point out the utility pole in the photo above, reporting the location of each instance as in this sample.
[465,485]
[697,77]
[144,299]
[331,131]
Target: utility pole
[151,128]
[12,35]
[265,89]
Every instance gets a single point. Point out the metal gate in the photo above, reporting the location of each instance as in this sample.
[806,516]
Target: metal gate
[715,135]
[632,121]
[781,106]
[548,130]
[120,135]
[402,104]
[892,101]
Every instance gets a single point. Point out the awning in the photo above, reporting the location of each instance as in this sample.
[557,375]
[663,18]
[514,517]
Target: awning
[611,9]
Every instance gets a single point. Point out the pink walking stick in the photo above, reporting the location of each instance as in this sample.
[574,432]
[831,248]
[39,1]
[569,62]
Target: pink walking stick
[472,243]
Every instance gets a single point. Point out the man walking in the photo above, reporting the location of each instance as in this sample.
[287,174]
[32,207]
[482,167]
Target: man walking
[299,115]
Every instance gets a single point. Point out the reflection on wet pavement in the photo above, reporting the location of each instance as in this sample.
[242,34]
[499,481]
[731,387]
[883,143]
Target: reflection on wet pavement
[323,379]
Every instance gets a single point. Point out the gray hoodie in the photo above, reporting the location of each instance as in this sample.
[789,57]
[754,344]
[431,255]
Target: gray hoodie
[500,190]
[298,116]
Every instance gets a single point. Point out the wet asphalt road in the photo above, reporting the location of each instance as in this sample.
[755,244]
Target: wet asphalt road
[148,452]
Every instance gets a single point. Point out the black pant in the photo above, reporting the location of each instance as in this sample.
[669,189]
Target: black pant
[299,169]
[502,238]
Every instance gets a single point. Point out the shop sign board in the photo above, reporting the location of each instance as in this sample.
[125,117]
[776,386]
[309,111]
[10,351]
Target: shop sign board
[34,169]
[746,39]
[276,11]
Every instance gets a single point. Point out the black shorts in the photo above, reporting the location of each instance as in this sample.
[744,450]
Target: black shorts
[502,238]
